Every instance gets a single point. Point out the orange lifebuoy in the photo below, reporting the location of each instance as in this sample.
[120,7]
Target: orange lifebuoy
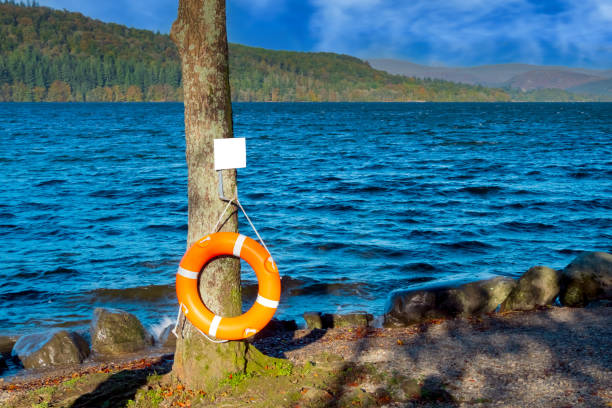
[228,243]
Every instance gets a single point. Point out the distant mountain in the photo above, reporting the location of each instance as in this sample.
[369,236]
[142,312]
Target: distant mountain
[550,79]
[602,88]
[523,77]
[57,55]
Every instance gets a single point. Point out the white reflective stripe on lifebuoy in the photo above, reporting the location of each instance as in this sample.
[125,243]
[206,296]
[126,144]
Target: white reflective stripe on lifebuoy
[272,304]
[186,273]
[214,326]
[238,245]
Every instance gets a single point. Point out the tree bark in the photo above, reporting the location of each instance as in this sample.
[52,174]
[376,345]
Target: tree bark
[201,37]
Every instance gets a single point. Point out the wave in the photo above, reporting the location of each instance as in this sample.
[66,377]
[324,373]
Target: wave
[162,293]
[53,182]
[594,204]
[480,190]
[580,174]
[29,294]
[149,293]
[418,267]
[331,246]
[307,287]
[61,271]
[473,246]
[568,251]
[526,226]
[425,233]
[106,193]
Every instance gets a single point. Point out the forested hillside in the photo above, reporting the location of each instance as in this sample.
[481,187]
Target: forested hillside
[54,55]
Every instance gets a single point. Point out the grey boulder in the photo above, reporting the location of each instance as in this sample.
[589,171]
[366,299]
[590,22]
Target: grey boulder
[538,286]
[445,301]
[587,278]
[413,306]
[116,332]
[50,349]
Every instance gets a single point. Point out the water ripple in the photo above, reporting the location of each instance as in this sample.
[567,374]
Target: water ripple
[354,200]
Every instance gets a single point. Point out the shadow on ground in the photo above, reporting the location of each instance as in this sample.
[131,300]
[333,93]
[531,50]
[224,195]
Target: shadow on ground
[121,387]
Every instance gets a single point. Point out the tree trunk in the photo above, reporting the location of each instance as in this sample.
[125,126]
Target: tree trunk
[201,36]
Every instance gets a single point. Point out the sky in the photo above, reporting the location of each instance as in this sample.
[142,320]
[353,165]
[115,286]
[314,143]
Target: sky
[574,33]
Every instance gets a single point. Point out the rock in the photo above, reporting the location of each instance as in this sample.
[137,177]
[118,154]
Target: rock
[2,364]
[587,278]
[167,339]
[355,319]
[313,320]
[316,320]
[538,286]
[476,298]
[117,332]
[444,301]
[51,348]
[413,306]
[6,344]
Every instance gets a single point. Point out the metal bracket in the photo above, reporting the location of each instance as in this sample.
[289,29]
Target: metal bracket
[221,194]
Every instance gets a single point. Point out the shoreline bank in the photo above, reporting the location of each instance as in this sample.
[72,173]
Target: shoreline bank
[542,358]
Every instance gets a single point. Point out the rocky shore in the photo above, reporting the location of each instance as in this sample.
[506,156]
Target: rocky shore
[480,319]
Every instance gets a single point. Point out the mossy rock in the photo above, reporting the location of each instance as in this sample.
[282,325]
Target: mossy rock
[476,298]
[116,332]
[587,278]
[444,301]
[313,320]
[50,349]
[538,286]
[6,344]
[355,319]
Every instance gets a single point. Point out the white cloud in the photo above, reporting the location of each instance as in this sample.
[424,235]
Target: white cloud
[260,7]
[467,31]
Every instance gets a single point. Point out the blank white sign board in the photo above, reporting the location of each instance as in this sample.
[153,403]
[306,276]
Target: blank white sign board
[230,153]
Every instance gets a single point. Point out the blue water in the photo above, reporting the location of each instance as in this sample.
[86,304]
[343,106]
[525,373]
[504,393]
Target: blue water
[354,200]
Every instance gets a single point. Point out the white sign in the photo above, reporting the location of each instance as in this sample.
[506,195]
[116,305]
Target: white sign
[230,153]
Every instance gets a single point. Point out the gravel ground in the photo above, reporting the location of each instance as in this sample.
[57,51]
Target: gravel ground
[557,357]
[554,357]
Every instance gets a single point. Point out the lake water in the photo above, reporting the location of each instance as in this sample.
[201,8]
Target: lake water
[354,201]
